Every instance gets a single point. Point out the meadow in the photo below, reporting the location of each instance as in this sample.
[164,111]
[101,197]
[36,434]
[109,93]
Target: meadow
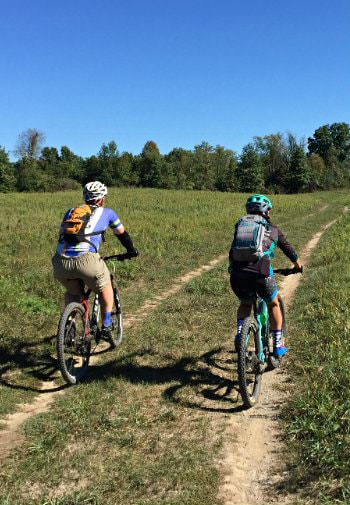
[147,424]
[318,416]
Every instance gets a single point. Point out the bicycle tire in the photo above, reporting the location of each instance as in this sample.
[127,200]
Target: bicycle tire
[249,367]
[73,349]
[117,317]
[272,361]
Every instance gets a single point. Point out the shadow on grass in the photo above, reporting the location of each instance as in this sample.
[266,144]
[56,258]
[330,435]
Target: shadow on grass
[35,361]
[202,382]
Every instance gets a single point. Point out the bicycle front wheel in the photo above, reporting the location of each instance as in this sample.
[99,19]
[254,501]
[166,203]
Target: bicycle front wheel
[73,348]
[249,368]
[117,317]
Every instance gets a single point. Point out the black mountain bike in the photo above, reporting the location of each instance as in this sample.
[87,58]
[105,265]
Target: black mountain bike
[79,328]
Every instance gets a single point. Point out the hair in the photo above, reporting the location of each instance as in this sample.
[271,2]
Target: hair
[259,213]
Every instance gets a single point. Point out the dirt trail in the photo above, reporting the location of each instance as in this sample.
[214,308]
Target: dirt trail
[11,436]
[253,448]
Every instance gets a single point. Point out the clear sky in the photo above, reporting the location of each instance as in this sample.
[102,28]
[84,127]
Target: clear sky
[174,71]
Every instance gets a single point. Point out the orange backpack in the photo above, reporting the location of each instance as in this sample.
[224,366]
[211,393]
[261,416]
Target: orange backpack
[73,228]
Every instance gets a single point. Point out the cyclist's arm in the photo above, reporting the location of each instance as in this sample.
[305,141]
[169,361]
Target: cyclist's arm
[125,239]
[122,235]
[287,249]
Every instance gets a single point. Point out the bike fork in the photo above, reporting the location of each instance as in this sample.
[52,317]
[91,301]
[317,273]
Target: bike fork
[86,307]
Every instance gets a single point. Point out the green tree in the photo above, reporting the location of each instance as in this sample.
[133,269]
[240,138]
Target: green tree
[332,143]
[7,176]
[127,172]
[49,160]
[49,155]
[331,140]
[109,156]
[318,172]
[249,171]
[340,133]
[181,167]
[71,164]
[28,170]
[299,171]
[93,170]
[152,166]
[58,174]
[31,178]
[225,164]
[204,172]
[273,152]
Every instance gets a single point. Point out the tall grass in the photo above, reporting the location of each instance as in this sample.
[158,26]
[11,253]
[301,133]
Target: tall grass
[318,419]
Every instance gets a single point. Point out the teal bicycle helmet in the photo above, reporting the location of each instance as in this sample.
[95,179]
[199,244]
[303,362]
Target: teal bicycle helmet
[258,204]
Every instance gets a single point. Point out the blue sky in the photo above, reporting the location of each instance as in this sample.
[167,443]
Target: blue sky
[177,72]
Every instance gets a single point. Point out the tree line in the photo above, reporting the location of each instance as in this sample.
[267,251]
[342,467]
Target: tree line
[274,163]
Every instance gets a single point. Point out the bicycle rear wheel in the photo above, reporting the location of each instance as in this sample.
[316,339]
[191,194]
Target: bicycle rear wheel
[249,368]
[117,317]
[272,361]
[73,348]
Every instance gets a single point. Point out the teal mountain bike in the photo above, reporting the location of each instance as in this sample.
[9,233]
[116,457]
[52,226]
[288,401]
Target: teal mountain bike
[255,351]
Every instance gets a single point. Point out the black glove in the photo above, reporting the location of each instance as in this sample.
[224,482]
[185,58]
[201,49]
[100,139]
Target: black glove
[132,253]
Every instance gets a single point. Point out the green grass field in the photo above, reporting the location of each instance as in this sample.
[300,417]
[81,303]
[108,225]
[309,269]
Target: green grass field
[318,418]
[146,426]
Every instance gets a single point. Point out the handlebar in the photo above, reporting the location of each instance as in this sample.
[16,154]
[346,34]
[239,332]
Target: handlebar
[288,271]
[120,257]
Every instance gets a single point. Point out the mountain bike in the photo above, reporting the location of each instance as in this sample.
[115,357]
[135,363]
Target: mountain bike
[255,347]
[78,328]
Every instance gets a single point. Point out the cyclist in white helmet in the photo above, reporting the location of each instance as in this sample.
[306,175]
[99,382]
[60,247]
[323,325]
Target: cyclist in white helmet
[77,256]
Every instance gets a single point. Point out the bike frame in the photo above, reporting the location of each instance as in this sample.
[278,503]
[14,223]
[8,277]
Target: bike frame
[262,317]
[87,293]
[254,349]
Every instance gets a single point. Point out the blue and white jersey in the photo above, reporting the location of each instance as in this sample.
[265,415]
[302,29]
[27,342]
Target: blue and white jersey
[100,220]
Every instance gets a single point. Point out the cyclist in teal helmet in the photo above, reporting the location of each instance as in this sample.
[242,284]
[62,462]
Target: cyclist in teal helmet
[258,203]
[250,267]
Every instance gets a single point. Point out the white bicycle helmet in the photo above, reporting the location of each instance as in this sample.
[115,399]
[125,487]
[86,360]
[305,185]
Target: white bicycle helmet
[94,190]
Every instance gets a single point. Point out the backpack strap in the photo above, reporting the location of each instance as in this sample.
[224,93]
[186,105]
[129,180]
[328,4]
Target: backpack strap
[84,239]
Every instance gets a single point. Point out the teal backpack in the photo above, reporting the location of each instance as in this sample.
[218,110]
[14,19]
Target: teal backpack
[248,239]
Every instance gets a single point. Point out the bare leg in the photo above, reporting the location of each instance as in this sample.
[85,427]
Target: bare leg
[275,314]
[107,298]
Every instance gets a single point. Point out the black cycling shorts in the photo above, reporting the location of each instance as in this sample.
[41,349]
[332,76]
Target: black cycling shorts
[247,286]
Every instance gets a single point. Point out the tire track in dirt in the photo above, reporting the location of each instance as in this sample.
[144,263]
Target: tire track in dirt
[11,436]
[253,448]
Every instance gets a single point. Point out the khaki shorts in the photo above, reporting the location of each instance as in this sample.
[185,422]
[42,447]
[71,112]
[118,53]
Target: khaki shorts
[89,268]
